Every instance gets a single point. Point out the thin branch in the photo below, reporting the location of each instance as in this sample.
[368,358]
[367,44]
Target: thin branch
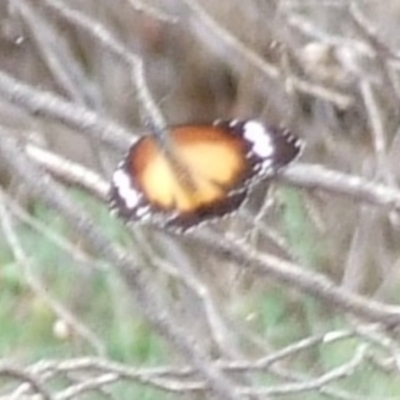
[341,372]
[151,11]
[43,186]
[87,385]
[217,326]
[377,129]
[69,172]
[57,55]
[46,104]
[65,245]
[311,282]
[355,187]
[33,381]
[111,373]
[308,282]
[40,289]
[175,379]
[269,70]
[129,58]
[306,176]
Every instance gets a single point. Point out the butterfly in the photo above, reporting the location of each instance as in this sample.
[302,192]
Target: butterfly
[218,165]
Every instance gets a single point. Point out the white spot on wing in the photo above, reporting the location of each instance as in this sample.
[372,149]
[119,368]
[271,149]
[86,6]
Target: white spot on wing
[143,212]
[256,134]
[125,190]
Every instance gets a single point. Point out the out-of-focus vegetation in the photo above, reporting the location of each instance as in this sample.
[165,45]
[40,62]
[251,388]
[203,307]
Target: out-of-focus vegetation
[338,89]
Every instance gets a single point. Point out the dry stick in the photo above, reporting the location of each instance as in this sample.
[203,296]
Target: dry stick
[309,282]
[306,176]
[310,28]
[64,68]
[334,393]
[319,383]
[106,379]
[258,365]
[318,284]
[369,32]
[17,373]
[152,114]
[129,58]
[44,230]
[70,172]
[262,364]
[175,379]
[87,385]
[269,70]
[341,372]
[354,265]
[151,11]
[142,291]
[352,186]
[39,288]
[164,378]
[55,54]
[38,102]
[378,131]
[379,338]
[219,331]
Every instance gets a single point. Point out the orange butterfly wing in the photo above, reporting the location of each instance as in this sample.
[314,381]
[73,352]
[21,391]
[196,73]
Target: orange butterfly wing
[219,162]
[214,160]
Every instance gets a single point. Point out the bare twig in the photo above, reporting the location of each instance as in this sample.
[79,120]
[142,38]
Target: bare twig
[48,105]
[40,289]
[269,70]
[57,56]
[65,245]
[69,172]
[132,60]
[334,375]
[311,282]
[352,186]
[290,274]
[134,277]
[184,274]
[151,11]
[377,128]
[33,381]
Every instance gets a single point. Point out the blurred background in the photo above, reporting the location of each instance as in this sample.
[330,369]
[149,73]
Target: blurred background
[329,71]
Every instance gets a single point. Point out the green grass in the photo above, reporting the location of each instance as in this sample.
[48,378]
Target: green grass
[26,321]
